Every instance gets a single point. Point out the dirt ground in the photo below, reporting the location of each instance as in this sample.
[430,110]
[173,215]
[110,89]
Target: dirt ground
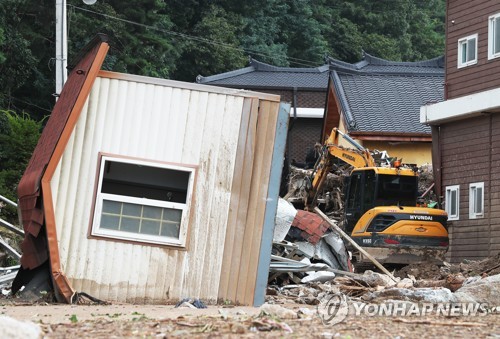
[139,321]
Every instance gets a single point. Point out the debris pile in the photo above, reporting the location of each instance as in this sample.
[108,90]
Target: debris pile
[331,195]
[463,285]
[305,249]
[10,240]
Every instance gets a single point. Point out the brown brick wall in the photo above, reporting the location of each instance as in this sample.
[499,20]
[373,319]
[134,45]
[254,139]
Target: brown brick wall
[306,132]
[311,99]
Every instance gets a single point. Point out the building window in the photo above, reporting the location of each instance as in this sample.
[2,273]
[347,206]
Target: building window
[494,36]
[476,200]
[452,202]
[467,51]
[142,201]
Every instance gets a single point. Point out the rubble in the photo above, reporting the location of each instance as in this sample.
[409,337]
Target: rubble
[486,290]
[304,242]
[12,328]
[373,287]
[10,240]
[277,311]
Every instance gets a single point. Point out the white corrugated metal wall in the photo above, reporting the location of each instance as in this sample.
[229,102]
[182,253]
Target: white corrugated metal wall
[153,122]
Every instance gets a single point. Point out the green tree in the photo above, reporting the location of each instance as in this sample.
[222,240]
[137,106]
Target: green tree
[17,57]
[138,32]
[217,51]
[19,135]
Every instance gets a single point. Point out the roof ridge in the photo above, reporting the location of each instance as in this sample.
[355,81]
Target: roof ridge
[265,67]
[437,62]
[201,79]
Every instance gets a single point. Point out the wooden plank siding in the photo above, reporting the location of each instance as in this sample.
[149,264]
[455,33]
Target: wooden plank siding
[466,18]
[468,156]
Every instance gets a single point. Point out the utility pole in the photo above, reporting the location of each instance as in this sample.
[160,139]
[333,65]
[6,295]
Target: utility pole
[61,45]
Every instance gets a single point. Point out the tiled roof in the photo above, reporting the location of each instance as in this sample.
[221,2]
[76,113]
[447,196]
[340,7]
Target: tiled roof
[371,64]
[386,103]
[376,95]
[261,75]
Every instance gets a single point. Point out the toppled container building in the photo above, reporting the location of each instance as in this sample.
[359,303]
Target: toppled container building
[148,190]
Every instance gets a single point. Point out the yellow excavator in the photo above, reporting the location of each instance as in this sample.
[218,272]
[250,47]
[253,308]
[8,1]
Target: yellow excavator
[381,213]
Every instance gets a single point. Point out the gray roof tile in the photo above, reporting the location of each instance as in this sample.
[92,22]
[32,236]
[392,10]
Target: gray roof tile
[261,75]
[387,103]
[376,95]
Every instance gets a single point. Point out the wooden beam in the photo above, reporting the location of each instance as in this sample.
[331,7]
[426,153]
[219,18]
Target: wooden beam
[359,248]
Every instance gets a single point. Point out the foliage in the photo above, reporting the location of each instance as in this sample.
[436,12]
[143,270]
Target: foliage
[180,39]
[18,139]
[220,29]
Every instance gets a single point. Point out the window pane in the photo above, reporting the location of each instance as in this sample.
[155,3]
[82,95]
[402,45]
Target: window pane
[453,203]
[152,212]
[142,181]
[471,49]
[478,200]
[496,35]
[172,215]
[130,225]
[132,210]
[464,52]
[110,222]
[111,207]
[150,227]
[169,229]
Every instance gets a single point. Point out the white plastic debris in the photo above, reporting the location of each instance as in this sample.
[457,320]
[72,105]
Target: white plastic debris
[320,276]
[284,218]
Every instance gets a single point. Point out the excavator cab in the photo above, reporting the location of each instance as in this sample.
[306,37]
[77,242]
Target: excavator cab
[365,189]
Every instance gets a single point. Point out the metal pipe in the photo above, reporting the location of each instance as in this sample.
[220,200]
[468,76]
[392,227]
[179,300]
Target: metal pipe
[8,201]
[9,249]
[351,141]
[11,227]
[10,268]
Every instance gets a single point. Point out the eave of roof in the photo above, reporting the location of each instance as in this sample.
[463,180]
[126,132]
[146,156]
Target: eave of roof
[392,136]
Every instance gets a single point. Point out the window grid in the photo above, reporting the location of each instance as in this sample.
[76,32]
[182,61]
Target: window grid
[165,225]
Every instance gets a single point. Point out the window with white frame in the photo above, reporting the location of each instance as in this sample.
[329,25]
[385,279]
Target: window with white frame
[452,201]
[467,51]
[476,200]
[494,36]
[142,201]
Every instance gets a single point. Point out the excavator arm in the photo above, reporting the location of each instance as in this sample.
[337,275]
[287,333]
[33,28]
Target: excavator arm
[358,157]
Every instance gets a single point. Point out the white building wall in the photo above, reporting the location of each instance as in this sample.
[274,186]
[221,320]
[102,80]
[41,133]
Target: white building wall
[161,122]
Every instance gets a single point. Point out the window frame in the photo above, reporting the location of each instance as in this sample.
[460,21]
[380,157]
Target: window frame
[472,202]
[491,36]
[463,42]
[448,191]
[109,234]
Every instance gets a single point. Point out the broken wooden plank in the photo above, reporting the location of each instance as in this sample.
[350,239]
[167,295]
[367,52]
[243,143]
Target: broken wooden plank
[359,248]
